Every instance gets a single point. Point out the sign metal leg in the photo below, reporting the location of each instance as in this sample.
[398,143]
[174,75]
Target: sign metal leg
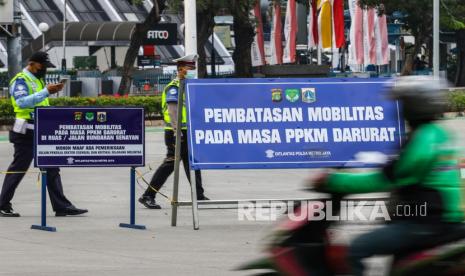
[43,223]
[177,159]
[195,207]
[132,211]
[174,204]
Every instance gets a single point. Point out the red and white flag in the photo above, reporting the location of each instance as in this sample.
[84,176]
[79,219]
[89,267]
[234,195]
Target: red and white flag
[258,46]
[369,36]
[290,32]
[358,40]
[312,25]
[382,44]
[276,45]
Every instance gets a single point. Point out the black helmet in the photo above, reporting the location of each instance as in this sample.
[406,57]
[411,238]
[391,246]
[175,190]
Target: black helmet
[423,98]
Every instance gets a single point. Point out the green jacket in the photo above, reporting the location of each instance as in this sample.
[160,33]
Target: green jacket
[425,172]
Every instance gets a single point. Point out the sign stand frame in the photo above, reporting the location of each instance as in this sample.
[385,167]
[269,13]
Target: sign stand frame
[132,174]
[177,160]
[43,222]
[132,204]
[194,203]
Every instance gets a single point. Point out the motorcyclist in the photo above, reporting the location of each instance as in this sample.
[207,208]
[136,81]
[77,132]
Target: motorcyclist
[424,174]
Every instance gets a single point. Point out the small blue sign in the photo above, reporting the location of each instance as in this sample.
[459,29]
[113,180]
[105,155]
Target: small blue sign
[89,137]
[289,123]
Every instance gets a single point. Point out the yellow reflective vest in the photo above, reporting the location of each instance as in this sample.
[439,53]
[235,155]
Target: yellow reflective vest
[33,87]
[164,106]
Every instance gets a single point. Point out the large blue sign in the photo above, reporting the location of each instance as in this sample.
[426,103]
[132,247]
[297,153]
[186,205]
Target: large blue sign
[289,123]
[89,137]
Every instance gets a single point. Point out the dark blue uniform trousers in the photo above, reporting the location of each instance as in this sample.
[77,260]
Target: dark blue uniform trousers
[23,155]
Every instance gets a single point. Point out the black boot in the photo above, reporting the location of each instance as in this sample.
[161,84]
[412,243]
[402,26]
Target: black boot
[8,212]
[202,197]
[149,202]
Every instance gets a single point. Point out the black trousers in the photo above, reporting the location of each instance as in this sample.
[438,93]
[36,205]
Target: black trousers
[167,167]
[23,155]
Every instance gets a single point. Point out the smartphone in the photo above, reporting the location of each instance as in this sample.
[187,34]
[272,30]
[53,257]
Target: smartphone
[63,81]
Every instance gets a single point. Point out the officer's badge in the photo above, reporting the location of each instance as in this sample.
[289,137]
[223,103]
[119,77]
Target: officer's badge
[308,95]
[101,117]
[77,116]
[21,87]
[173,91]
[90,116]
[276,95]
[20,91]
[292,95]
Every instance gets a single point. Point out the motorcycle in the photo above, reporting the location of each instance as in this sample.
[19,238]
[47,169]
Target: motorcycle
[305,248]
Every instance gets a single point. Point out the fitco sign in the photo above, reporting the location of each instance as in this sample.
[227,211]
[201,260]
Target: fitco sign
[162,34]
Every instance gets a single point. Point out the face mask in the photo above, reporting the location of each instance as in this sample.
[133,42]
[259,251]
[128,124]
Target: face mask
[191,74]
[40,74]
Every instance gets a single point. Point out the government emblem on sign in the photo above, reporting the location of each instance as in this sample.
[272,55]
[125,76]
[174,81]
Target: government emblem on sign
[77,116]
[89,116]
[308,95]
[101,117]
[276,95]
[292,95]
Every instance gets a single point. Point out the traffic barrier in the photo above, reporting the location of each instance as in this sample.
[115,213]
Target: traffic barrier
[89,137]
[284,123]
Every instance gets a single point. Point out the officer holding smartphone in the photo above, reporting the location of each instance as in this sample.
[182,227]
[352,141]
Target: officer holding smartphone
[28,90]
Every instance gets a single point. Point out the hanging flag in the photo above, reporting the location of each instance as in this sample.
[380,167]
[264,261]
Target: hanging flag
[276,45]
[324,23]
[351,48]
[366,45]
[338,23]
[290,32]
[358,42]
[312,25]
[382,44]
[369,36]
[334,50]
[372,35]
[258,46]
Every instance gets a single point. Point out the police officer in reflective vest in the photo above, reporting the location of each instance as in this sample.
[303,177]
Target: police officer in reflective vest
[169,107]
[28,90]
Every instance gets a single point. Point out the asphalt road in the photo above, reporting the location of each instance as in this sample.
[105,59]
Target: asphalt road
[94,244]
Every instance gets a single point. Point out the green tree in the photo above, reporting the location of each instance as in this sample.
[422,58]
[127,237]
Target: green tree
[419,20]
[206,11]
[243,27]
[418,17]
[136,41]
[244,32]
[453,18]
